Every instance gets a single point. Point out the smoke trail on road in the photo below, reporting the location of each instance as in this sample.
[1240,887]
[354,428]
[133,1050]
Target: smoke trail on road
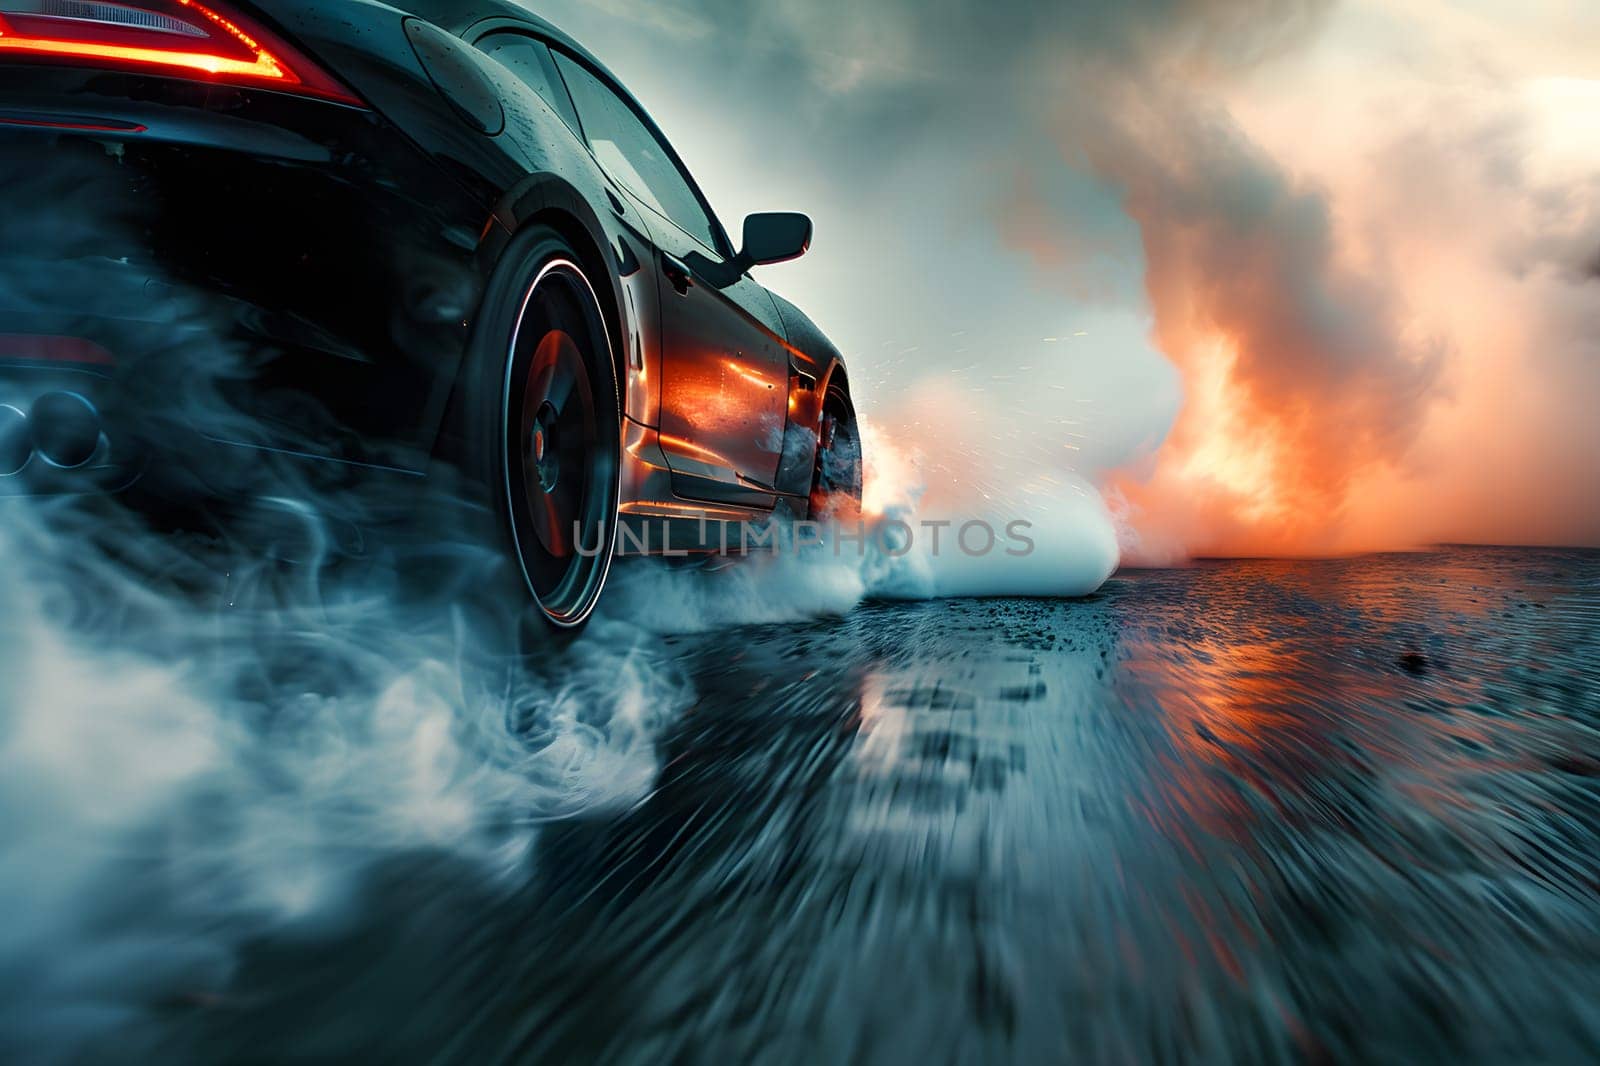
[184,769]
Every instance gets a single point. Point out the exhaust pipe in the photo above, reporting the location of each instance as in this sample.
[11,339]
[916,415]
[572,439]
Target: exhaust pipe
[16,442]
[65,429]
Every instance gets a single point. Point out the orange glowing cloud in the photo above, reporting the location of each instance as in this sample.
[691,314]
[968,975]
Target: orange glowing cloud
[1389,335]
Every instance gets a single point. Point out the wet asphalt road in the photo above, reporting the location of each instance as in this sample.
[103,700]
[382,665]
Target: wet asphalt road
[1242,812]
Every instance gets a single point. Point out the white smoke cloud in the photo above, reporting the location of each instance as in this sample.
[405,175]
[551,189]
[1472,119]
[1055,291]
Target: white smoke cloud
[177,776]
[1045,534]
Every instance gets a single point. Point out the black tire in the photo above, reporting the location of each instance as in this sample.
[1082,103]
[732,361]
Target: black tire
[541,424]
[836,481]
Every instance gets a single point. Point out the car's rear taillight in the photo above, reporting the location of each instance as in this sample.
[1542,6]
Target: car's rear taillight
[177,38]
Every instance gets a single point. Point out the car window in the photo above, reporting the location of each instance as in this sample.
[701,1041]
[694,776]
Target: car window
[529,59]
[633,155]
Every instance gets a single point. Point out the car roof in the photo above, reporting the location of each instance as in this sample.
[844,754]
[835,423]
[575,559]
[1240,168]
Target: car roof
[461,16]
[471,18]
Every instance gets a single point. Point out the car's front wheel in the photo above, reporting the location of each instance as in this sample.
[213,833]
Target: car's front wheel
[836,481]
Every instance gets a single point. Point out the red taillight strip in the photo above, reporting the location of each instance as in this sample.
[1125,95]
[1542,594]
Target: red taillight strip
[263,66]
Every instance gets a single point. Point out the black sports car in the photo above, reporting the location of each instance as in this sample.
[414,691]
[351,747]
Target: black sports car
[457,240]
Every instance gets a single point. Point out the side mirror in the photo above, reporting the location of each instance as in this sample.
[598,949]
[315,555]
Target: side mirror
[774,237]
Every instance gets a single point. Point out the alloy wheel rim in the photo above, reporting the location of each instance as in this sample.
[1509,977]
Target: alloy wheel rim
[562,461]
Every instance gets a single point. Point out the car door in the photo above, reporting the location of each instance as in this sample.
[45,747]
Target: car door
[724,389]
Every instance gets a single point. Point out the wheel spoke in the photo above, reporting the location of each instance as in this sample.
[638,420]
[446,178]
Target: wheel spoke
[561,384]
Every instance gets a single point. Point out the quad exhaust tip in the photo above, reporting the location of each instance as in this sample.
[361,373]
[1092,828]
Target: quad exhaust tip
[61,428]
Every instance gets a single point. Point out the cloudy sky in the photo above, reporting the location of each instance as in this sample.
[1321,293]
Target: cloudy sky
[1298,276]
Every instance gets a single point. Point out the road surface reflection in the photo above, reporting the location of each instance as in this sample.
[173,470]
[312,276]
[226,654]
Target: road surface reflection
[1247,811]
